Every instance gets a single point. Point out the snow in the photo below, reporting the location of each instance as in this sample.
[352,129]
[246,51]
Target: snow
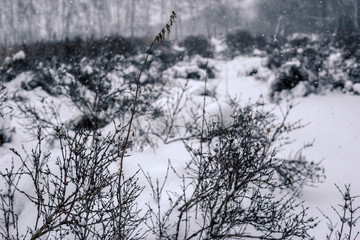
[7,60]
[348,85]
[356,88]
[233,80]
[300,90]
[333,122]
[19,56]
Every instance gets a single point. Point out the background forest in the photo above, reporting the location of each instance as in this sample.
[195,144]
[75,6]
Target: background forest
[24,21]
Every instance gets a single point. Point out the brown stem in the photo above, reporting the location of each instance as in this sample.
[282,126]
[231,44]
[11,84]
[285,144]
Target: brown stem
[159,38]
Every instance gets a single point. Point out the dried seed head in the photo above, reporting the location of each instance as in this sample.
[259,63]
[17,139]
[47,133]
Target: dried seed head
[161,36]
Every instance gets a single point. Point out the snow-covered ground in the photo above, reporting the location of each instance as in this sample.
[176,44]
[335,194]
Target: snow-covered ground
[332,123]
[332,119]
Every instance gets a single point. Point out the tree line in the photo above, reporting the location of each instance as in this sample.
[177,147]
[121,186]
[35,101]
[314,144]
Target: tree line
[322,16]
[24,21]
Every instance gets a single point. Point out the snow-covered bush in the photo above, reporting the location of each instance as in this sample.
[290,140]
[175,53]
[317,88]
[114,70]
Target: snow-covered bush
[167,55]
[198,68]
[13,67]
[348,42]
[356,88]
[105,94]
[100,88]
[324,63]
[44,77]
[287,77]
[239,42]
[354,73]
[278,56]
[197,45]
[312,59]
[315,63]
[5,131]
[18,56]
[261,42]
[307,49]
[299,41]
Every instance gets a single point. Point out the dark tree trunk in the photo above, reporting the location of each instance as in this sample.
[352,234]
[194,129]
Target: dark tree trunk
[356,15]
[132,20]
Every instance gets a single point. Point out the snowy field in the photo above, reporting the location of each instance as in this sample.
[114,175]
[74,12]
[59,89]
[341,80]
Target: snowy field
[331,119]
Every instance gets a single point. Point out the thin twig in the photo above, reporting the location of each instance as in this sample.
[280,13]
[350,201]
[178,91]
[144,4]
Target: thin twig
[203,124]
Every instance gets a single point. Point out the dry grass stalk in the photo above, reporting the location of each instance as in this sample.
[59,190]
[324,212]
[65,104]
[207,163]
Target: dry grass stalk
[158,39]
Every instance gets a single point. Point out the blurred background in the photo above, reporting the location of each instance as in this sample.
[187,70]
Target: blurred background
[26,21]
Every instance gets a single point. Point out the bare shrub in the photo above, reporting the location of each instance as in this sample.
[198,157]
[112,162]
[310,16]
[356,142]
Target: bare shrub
[241,187]
[76,193]
[348,216]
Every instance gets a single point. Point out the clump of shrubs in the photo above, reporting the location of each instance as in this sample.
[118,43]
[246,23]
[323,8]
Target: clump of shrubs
[279,56]
[302,60]
[12,66]
[283,50]
[42,77]
[312,59]
[73,50]
[240,42]
[196,45]
[354,74]
[288,77]
[50,62]
[319,63]
[210,70]
[292,78]
[299,42]
[166,55]
[261,42]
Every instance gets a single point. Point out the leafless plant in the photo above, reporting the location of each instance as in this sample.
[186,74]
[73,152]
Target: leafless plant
[75,195]
[348,216]
[122,150]
[47,117]
[167,128]
[241,186]
[9,217]
[159,222]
